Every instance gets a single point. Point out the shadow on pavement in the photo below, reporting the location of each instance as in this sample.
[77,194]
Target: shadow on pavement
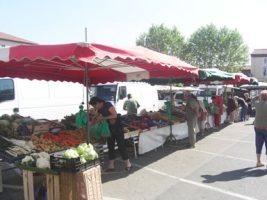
[150,157]
[235,175]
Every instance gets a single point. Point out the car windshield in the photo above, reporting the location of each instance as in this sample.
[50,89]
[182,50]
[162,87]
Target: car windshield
[106,92]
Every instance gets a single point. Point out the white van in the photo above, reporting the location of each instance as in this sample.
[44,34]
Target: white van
[116,93]
[40,99]
[207,91]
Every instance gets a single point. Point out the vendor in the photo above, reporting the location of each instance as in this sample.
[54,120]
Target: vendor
[191,113]
[106,110]
[131,105]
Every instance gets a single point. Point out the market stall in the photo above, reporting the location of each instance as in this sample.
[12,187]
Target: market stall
[87,64]
[152,139]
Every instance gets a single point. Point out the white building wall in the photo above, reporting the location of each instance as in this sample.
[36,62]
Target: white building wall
[6,43]
[259,67]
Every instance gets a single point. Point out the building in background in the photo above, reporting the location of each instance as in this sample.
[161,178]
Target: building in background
[7,40]
[259,64]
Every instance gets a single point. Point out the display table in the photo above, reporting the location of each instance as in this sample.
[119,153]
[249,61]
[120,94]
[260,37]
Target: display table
[153,139]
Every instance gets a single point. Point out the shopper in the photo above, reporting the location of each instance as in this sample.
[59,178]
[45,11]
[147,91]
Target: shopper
[131,105]
[106,110]
[217,112]
[249,107]
[191,114]
[231,108]
[260,125]
[242,103]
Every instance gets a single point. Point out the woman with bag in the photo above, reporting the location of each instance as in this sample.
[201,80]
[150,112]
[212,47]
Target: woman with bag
[107,111]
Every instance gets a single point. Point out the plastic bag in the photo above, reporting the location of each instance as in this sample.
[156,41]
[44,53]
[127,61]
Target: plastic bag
[81,118]
[100,130]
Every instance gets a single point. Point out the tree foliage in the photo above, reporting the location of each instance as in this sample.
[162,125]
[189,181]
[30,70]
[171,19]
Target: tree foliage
[162,39]
[222,48]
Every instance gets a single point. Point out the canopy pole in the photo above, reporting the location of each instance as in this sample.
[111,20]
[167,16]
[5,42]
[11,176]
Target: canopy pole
[171,137]
[87,103]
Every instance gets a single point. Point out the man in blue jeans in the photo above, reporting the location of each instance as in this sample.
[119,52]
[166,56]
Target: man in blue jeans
[260,125]
[244,107]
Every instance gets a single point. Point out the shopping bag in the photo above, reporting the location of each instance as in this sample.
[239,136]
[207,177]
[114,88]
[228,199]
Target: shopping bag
[81,119]
[100,130]
[105,132]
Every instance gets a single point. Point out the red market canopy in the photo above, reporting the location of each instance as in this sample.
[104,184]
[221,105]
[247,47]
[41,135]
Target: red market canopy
[67,62]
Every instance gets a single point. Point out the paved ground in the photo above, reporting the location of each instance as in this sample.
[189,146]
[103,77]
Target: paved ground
[220,167]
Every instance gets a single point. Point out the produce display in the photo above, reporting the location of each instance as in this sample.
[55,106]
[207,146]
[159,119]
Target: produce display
[15,125]
[141,123]
[40,160]
[83,151]
[75,159]
[10,149]
[4,144]
[50,142]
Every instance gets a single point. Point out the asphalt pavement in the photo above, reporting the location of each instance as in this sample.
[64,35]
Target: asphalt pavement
[221,167]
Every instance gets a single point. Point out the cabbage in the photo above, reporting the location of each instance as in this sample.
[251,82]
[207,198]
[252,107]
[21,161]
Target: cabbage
[90,146]
[44,155]
[90,155]
[71,153]
[81,149]
[82,160]
[28,161]
[42,163]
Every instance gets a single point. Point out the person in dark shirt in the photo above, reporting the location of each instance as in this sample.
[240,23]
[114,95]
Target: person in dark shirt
[231,108]
[248,101]
[106,110]
[242,103]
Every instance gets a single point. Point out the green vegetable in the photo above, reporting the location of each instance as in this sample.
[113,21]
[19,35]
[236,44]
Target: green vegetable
[71,153]
[90,155]
[81,149]
[28,161]
[82,160]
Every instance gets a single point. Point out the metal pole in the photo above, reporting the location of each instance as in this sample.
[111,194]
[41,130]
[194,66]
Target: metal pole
[87,101]
[85,34]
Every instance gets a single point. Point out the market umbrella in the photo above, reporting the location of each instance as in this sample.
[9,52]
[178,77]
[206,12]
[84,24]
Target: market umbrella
[214,74]
[239,79]
[67,62]
[94,63]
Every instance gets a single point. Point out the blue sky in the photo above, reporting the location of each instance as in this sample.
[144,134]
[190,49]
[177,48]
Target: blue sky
[120,22]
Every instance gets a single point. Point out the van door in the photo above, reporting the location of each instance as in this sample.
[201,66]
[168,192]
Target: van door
[8,97]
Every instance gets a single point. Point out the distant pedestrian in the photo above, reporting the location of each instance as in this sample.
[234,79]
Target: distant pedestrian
[231,108]
[191,114]
[249,109]
[217,111]
[131,105]
[260,125]
[244,107]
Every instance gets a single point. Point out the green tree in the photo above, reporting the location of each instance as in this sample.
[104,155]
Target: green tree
[162,39]
[211,47]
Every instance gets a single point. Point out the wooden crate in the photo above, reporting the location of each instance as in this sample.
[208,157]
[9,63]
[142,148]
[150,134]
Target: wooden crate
[52,184]
[86,185]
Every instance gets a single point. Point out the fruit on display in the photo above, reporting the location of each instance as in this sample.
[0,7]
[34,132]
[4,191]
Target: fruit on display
[50,142]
